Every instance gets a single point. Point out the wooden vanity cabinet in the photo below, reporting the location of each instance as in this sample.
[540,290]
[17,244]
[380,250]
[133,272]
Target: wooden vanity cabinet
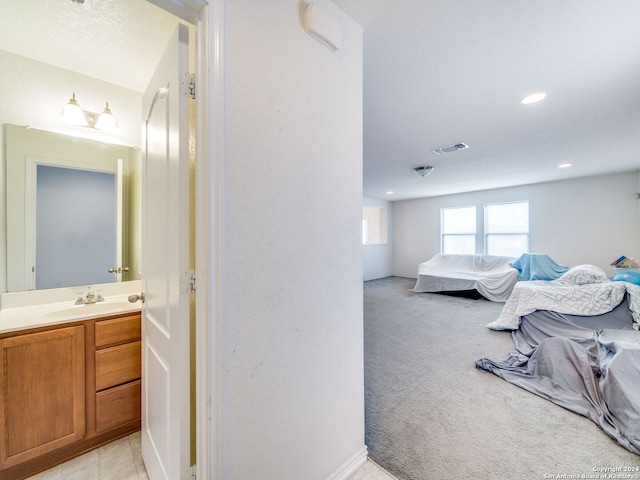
[43,394]
[65,390]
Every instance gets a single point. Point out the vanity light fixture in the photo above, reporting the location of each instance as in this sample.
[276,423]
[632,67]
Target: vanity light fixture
[75,115]
[106,121]
[72,113]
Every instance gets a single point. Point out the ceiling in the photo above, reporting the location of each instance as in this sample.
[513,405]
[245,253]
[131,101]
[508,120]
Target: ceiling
[439,72]
[117,41]
[436,72]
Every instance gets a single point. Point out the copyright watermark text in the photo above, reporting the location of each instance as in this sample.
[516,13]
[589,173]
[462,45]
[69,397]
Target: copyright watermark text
[599,473]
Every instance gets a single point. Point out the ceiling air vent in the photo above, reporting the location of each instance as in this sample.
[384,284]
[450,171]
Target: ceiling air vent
[450,148]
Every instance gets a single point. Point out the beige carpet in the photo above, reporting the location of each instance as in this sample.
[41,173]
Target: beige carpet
[430,414]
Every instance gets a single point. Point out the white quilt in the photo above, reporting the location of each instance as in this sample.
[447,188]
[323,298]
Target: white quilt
[583,290]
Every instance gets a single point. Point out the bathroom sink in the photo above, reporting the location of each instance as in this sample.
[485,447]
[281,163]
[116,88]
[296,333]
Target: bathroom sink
[92,309]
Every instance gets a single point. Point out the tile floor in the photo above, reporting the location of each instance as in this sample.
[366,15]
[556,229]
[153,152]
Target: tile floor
[371,471]
[122,460]
[119,460]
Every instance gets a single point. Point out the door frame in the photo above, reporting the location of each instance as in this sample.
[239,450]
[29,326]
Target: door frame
[209,237]
[31,164]
[208,18]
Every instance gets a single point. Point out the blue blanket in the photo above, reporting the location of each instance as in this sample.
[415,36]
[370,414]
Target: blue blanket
[536,266]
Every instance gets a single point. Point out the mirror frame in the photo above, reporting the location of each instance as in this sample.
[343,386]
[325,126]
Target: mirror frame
[23,144]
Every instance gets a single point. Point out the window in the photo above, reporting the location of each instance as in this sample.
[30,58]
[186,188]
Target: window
[458,230]
[374,225]
[365,228]
[506,229]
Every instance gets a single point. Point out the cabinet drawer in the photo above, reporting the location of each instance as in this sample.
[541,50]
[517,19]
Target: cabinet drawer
[117,330]
[117,365]
[117,406]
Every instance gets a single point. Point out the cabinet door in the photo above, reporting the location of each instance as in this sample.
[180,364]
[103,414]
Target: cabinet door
[42,399]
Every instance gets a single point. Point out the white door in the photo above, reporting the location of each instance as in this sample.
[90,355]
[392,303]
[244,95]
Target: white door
[165,257]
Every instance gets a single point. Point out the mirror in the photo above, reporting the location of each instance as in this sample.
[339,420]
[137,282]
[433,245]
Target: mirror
[75,198]
[99,51]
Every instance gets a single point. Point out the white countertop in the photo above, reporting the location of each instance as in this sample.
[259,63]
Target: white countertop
[21,318]
[22,311]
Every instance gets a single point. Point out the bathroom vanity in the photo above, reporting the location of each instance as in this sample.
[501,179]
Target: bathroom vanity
[70,382]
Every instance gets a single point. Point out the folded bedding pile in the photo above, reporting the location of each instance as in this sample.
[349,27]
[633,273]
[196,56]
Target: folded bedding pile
[491,275]
[582,290]
[587,364]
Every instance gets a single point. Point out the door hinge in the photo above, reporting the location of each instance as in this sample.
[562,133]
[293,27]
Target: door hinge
[189,85]
[193,472]
[189,282]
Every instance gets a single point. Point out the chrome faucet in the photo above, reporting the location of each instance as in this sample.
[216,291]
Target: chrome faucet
[90,297]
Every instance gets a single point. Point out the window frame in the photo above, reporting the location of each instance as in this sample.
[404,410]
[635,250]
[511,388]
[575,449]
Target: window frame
[487,233]
[375,222]
[444,234]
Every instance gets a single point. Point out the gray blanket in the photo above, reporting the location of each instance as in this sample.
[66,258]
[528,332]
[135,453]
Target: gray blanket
[589,365]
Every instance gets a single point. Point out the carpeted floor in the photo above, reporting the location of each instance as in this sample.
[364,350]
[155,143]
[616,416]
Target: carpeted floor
[430,414]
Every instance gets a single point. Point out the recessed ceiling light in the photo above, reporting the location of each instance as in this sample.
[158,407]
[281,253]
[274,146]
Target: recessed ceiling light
[565,165]
[389,193]
[536,97]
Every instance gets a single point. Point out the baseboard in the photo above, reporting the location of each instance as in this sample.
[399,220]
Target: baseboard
[350,466]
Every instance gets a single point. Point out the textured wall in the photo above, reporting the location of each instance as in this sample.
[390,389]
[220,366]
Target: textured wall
[589,220]
[292,332]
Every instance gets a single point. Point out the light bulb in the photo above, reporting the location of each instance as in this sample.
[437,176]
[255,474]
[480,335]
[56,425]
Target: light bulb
[73,114]
[106,121]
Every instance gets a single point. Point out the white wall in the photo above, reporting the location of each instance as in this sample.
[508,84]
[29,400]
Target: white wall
[34,94]
[590,220]
[293,397]
[377,259]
